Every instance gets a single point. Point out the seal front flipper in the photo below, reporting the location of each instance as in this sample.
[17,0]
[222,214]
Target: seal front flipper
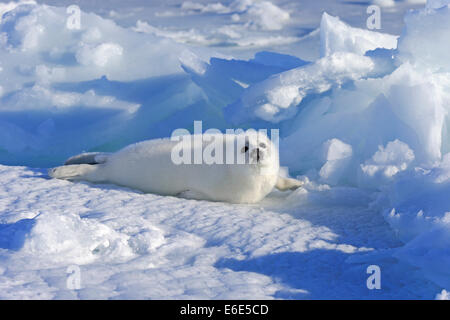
[284,184]
[88,158]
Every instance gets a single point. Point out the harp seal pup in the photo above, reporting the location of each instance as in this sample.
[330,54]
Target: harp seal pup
[149,166]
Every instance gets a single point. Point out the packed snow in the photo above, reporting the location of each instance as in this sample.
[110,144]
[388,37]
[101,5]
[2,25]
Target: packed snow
[363,118]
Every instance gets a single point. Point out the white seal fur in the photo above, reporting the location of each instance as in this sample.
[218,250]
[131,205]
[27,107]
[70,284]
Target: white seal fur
[148,166]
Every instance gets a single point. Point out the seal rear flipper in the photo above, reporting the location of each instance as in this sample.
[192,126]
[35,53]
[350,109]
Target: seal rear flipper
[85,172]
[284,184]
[88,158]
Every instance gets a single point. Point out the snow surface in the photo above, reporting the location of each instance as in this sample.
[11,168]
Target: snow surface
[134,246]
[363,119]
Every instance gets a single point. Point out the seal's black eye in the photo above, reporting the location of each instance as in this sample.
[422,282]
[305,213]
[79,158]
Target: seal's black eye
[262,145]
[245,149]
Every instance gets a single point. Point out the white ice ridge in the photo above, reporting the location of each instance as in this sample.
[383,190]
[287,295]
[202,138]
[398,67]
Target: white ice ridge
[336,35]
[276,99]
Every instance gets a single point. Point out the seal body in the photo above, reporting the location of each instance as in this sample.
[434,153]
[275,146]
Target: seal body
[153,166]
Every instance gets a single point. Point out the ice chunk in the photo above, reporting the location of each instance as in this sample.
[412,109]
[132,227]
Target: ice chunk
[265,15]
[337,155]
[417,207]
[192,63]
[275,59]
[405,105]
[335,149]
[425,40]
[224,80]
[277,98]
[389,160]
[419,108]
[38,34]
[443,295]
[99,55]
[336,36]
[102,86]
